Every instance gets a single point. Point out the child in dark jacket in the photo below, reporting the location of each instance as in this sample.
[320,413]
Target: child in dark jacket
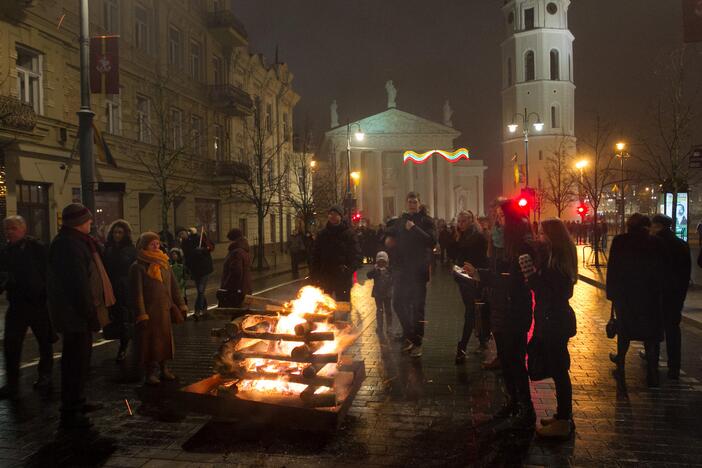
[382,292]
[180,271]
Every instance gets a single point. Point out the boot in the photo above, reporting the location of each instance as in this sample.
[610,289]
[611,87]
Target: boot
[492,365]
[525,417]
[560,429]
[152,377]
[166,374]
[652,377]
[460,354]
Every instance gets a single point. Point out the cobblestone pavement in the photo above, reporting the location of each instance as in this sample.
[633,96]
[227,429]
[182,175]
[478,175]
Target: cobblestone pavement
[426,412]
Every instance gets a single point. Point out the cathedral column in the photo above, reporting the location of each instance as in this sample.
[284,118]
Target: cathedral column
[378,168]
[410,174]
[451,193]
[358,189]
[431,206]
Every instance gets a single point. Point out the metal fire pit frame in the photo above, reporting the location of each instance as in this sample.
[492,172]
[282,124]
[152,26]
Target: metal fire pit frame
[196,398]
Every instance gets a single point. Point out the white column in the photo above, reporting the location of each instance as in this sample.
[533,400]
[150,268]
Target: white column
[356,166]
[378,165]
[451,193]
[429,175]
[410,174]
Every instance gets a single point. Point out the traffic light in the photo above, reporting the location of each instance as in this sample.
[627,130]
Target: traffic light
[356,217]
[582,210]
[526,199]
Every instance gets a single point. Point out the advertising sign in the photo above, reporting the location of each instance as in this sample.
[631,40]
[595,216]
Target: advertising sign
[679,212]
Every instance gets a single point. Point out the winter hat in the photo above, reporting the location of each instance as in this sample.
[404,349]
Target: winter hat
[382,255]
[338,209]
[663,220]
[178,251]
[145,239]
[235,234]
[75,214]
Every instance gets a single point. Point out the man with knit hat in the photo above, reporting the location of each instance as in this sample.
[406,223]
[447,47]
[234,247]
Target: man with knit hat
[336,256]
[79,293]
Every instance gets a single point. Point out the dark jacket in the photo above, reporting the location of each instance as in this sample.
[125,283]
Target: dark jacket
[70,297]
[24,264]
[236,274]
[336,254]
[635,278]
[382,282]
[554,318]
[413,249]
[508,294]
[471,247]
[678,277]
[198,258]
[117,260]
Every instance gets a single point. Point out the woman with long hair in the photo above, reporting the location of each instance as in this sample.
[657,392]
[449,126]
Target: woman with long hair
[157,302]
[551,277]
[119,255]
[511,314]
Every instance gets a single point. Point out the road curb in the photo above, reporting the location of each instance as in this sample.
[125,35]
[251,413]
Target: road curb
[685,319]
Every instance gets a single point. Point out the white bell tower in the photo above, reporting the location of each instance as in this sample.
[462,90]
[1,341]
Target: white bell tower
[537,78]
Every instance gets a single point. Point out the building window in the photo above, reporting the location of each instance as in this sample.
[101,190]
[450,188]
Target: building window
[269,117]
[555,66]
[196,134]
[175,47]
[555,117]
[529,67]
[218,142]
[509,71]
[29,78]
[244,226]
[111,16]
[195,60]
[33,206]
[218,67]
[529,19]
[113,113]
[143,109]
[141,29]
[272,218]
[176,129]
[207,216]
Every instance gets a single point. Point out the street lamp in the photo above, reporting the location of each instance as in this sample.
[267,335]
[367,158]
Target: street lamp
[538,126]
[313,164]
[360,136]
[622,155]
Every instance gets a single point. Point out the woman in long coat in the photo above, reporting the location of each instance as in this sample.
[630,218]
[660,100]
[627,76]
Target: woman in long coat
[118,258]
[157,303]
[236,273]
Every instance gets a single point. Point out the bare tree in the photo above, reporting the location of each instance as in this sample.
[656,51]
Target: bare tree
[169,166]
[330,179]
[301,194]
[600,173]
[667,146]
[559,189]
[261,184]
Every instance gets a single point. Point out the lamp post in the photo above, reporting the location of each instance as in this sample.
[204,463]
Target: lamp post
[85,116]
[581,165]
[538,126]
[359,136]
[621,154]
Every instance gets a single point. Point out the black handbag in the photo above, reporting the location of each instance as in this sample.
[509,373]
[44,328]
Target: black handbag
[536,360]
[611,327]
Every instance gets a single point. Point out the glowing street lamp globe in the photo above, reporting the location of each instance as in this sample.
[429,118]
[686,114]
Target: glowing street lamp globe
[582,164]
[512,128]
[539,126]
[620,146]
[360,136]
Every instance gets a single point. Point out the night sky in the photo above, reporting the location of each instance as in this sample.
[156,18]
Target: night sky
[450,49]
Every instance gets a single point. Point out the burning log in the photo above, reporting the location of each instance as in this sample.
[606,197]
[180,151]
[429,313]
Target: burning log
[258,301]
[305,328]
[318,380]
[310,398]
[312,370]
[314,337]
[315,358]
[306,350]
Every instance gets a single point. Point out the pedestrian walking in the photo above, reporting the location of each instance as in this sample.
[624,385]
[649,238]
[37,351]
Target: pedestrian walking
[23,263]
[699,234]
[411,239]
[336,256]
[675,288]
[511,314]
[382,293]
[635,281]
[551,277]
[119,255]
[444,240]
[198,259]
[180,271]
[236,273]
[157,303]
[296,247]
[79,295]
[470,246]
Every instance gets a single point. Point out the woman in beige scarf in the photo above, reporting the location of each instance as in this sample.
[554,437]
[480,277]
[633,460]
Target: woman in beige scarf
[157,303]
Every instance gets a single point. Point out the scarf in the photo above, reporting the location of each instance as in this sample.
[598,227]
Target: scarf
[157,261]
[108,293]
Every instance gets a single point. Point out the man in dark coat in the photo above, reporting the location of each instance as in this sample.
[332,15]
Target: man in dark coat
[635,279]
[79,293]
[236,272]
[197,249]
[675,288]
[23,260]
[336,256]
[411,239]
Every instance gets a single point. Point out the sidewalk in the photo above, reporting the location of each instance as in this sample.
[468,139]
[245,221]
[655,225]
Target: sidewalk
[692,312]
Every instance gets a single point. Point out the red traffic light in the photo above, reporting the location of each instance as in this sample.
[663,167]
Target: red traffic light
[582,209]
[356,217]
[527,199]
[523,202]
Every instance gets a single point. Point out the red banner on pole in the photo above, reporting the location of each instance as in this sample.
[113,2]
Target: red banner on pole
[104,65]
[692,20]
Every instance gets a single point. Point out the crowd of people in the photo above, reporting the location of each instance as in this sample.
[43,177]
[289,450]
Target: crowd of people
[132,290]
[510,274]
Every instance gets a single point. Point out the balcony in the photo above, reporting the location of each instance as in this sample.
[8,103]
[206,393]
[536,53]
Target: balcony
[227,29]
[16,114]
[231,100]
